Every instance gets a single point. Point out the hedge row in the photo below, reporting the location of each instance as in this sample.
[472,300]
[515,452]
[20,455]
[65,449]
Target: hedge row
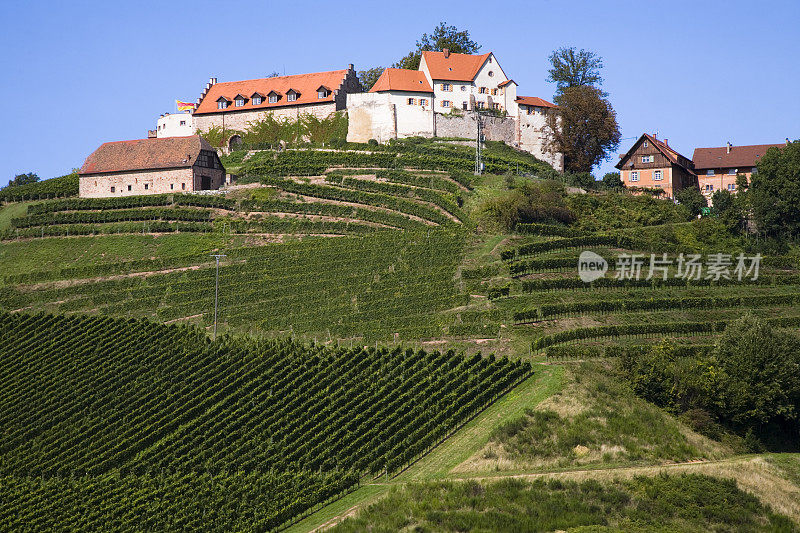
[107,229]
[551,264]
[99,204]
[562,352]
[618,241]
[334,210]
[98,217]
[651,304]
[536,285]
[546,229]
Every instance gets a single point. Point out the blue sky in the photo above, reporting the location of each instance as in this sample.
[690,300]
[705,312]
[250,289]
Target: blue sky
[700,73]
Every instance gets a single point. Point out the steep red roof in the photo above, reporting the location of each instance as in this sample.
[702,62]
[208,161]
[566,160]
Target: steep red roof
[535,101]
[398,79]
[672,155]
[305,84]
[454,67]
[507,82]
[145,154]
[739,156]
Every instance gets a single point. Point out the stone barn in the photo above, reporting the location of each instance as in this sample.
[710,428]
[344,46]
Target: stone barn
[151,166]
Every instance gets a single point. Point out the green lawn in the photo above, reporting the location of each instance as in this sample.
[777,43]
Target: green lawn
[9,211]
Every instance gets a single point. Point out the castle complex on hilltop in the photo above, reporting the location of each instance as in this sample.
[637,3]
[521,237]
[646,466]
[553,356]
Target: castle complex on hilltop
[444,98]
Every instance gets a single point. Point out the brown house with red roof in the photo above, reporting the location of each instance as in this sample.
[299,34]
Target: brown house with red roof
[652,164]
[231,105]
[151,166]
[717,168]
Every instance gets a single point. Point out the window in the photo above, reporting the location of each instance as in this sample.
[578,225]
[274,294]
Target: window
[423,101]
[445,103]
[412,101]
[239,102]
[479,105]
[496,106]
[482,90]
[322,93]
[447,87]
[494,92]
[292,96]
[146,186]
[463,87]
[183,186]
[531,109]
[647,159]
[130,187]
[754,170]
[657,175]
[464,106]
[256,100]
[733,171]
[491,73]
[710,172]
[222,104]
[731,186]
[113,189]
[644,144]
[183,122]
[490,59]
[273,98]
[634,176]
[171,186]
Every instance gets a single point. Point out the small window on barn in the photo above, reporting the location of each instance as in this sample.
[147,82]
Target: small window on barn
[183,186]
[146,186]
[113,189]
[129,187]
[171,186]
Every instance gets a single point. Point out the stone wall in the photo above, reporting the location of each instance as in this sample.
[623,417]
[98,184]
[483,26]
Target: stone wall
[155,181]
[465,125]
[533,136]
[237,120]
[384,116]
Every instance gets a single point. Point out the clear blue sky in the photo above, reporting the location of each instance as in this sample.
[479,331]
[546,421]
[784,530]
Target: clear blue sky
[76,74]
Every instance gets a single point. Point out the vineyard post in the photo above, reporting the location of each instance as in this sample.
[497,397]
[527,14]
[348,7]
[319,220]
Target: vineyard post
[216,291]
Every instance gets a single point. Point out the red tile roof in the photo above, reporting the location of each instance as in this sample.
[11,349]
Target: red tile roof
[535,101]
[739,156]
[305,84]
[454,67]
[672,155]
[398,79]
[145,154]
[507,82]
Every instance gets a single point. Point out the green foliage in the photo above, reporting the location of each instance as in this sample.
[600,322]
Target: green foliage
[368,77]
[616,210]
[443,36]
[571,68]
[23,179]
[775,191]
[216,136]
[164,399]
[611,180]
[692,199]
[584,129]
[528,203]
[689,502]
[52,188]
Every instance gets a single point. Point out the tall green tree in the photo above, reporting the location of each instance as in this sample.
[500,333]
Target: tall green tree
[584,128]
[443,36]
[369,77]
[574,68]
[23,179]
[611,180]
[775,191]
[692,198]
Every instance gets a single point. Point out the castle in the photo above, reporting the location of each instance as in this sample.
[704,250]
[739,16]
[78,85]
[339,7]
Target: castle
[444,98]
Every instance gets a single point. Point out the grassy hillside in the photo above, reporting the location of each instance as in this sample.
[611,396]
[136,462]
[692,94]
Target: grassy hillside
[351,279]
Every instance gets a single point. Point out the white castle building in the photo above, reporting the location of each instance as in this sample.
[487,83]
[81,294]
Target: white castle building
[444,98]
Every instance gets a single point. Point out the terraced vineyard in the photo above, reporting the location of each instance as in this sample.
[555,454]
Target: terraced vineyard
[156,425]
[385,286]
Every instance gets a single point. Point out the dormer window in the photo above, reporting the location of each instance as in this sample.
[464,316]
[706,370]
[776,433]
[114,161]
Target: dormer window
[323,92]
[239,100]
[256,99]
[273,97]
[292,95]
[223,103]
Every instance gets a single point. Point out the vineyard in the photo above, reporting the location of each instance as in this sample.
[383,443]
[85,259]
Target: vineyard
[162,426]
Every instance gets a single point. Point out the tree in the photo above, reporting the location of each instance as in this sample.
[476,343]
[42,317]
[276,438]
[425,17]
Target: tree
[759,373]
[693,199]
[369,77]
[611,180]
[584,128]
[274,74]
[23,179]
[775,191]
[443,36]
[571,68]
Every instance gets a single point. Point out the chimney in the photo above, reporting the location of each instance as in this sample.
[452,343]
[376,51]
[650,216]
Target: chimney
[350,67]
[212,81]
[446,52]
[666,142]
[728,148]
